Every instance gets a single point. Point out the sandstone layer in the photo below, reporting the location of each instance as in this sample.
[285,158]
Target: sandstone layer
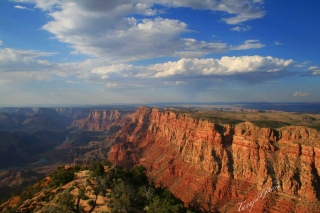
[101,119]
[225,168]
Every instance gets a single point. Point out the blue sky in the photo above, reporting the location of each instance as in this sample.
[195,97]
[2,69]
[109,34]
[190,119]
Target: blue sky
[101,52]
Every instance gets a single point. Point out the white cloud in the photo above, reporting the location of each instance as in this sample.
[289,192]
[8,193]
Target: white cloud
[196,49]
[193,48]
[242,10]
[23,60]
[111,84]
[300,94]
[1,42]
[25,55]
[108,29]
[241,29]
[28,65]
[316,73]
[22,8]
[30,61]
[248,44]
[184,72]
[132,41]
[226,66]
[313,68]
[277,43]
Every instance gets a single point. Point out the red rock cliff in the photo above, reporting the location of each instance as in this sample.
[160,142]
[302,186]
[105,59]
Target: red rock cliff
[223,167]
[101,119]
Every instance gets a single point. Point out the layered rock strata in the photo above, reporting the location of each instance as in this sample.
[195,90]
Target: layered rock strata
[224,168]
[101,119]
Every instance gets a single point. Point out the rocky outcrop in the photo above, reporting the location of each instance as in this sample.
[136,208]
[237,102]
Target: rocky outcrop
[95,149]
[224,167]
[102,119]
[11,181]
[71,112]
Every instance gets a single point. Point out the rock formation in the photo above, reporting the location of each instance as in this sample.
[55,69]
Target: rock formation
[101,119]
[223,167]
[210,166]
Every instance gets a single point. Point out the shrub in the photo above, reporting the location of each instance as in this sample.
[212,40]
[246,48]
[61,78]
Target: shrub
[90,202]
[61,177]
[85,197]
[70,188]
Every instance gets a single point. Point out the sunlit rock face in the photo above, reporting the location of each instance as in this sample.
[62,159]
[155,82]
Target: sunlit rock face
[223,167]
[100,119]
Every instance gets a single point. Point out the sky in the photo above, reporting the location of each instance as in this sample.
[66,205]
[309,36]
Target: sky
[71,52]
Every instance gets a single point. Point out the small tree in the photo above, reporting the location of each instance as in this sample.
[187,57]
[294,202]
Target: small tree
[65,202]
[61,176]
[99,186]
[122,204]
[92,164]
[98,170]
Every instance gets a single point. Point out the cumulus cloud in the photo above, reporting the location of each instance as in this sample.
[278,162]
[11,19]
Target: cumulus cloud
[224,66]
[277,43]
[300,94]
[312,68]
[118,75]
[314,71]
[241,29]
[196,68]
[109,29]
[22,8]
[1,42]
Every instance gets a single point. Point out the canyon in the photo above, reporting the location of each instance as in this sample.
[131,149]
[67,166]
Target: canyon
[219,167]
[210,164]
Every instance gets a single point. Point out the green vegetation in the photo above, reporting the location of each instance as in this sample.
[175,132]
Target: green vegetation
[61,176]
[221,120]
[131,191]
[124,190]
[270,124]
[30,191]
[90,202]
[262,119]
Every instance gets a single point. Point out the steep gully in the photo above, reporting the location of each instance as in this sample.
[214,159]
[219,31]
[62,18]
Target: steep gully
[217,167]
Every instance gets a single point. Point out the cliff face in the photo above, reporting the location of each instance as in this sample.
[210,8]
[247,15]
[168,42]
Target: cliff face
[71,112]
[224,167]
[101,119]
